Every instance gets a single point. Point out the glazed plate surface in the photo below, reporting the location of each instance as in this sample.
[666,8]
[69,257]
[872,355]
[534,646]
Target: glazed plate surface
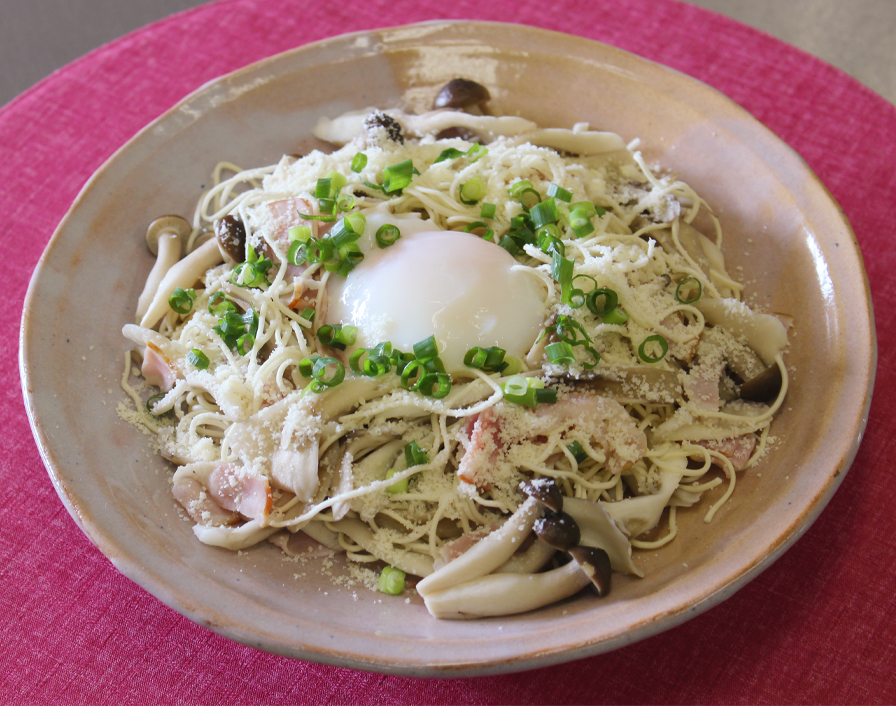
[797,254]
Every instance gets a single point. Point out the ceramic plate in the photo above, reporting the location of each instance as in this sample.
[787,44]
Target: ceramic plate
[782,228]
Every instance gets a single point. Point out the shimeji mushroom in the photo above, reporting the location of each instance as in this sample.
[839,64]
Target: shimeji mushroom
[184,274]
[501,593]
[488,554]
[508,594]
[165,239]
[462,94]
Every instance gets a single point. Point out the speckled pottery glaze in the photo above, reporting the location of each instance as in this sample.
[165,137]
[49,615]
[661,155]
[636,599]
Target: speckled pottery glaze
[797,254]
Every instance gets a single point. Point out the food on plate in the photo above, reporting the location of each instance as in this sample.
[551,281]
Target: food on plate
[489,355]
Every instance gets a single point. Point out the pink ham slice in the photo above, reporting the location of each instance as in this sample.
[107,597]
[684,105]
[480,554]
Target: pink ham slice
[285,215]
[737,449]
[603,420]
[157,369]
[201,508]
[234,489]
[484,430]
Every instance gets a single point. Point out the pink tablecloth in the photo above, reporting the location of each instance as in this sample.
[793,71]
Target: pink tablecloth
[818,626]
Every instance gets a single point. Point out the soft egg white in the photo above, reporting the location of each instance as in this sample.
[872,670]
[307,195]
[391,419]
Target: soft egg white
[453,285]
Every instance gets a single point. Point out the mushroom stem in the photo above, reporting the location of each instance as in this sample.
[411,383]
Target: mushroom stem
[505,594]
[598,530]
[183,274]
[486,555]
[169,253]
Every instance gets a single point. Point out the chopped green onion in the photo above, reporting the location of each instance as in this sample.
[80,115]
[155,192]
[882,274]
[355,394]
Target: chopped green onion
[198,359]
[337,181]
[339,336]
[251,274]
[299,233]
[306,365]
[513,365]
[450,153]
[307,314]
[347,230]
[476,152]
[559,193]
[397,176]
[488,210]
[578,453]
[322,189]
[529,198]
[688,284]
[577,297]
[560,353]
[319,372]
[356,222]
[150,403]
[580,223]
[657,340]
[561,271]
[522,185]
[549,242]
[376,365]
[567,330]
[355,360]
[387,234]
[427,349]
[472,191]
[544,213]
[397,487]
[487,233]
[587,208]
[297,253]
[527,391]
[602,301]
[545,396]
[489,360]
[521,229]
[245,343]
[414,455]
[181,300]
[219,304]
[391,581]
[617,317]
[346,202]
[232,325]
[324,217]
[435,385]
[327,206]
[407,373]
[359,161]
[510,245]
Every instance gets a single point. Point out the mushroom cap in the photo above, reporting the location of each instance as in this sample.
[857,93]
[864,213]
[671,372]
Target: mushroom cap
[171,225]
[231,235]
[764,387]
[558,530]
[546,491]
[461,93]
[596,564]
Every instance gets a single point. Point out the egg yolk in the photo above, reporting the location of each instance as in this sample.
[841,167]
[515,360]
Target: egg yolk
[455,286]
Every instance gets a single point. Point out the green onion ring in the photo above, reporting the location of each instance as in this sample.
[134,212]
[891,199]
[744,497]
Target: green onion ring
[686,281]
[655,338]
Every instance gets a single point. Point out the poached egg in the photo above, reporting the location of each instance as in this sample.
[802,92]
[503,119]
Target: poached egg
[456,286]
